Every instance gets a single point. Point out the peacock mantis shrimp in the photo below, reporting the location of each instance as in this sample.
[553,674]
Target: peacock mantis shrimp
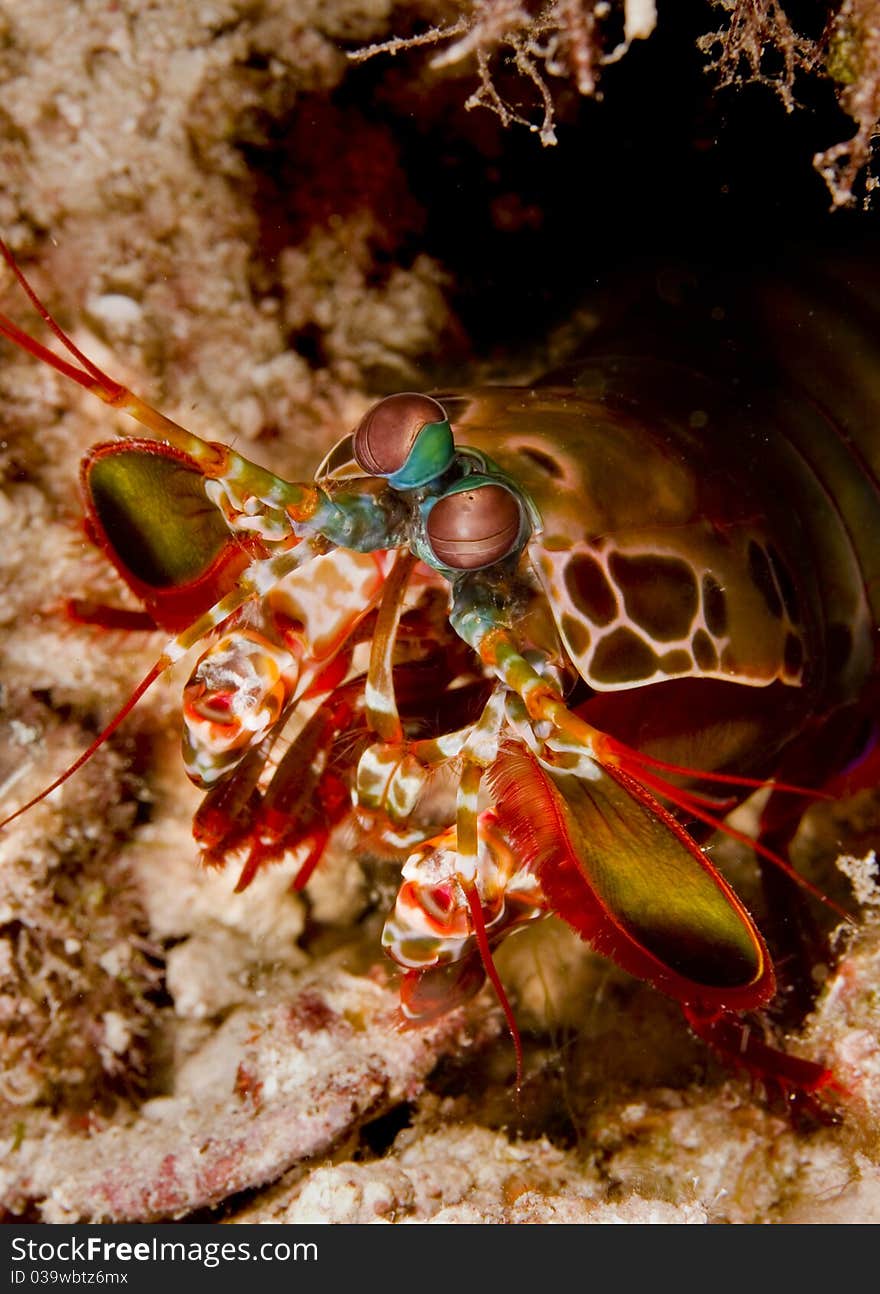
[607,620]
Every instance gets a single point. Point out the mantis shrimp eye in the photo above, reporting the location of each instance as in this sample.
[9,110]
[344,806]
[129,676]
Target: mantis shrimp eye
[473,527]
[405,438]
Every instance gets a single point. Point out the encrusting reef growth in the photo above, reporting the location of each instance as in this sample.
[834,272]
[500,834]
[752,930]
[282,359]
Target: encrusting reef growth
[262,216]
[571,41]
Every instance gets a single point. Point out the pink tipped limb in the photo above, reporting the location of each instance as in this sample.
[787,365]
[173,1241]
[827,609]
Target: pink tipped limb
[473,898]
[160,666]
[217,461]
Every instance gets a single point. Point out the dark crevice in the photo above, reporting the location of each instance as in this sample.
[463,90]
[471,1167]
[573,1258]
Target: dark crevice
[378,1136]
[663,167]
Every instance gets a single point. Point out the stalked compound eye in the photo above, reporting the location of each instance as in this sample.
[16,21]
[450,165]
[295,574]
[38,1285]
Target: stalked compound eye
[405,438]
[474,525]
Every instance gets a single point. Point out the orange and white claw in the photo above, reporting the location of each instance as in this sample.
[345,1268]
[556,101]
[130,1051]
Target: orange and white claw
[237,692]
[429,994]
[432,923]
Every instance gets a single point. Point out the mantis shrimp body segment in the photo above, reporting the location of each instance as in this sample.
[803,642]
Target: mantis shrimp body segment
[533,642]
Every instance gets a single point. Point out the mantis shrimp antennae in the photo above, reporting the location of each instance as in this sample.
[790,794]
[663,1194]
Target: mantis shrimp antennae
[584,530]
[146,682]
[476,909]
[260,576]
[215,460]
[89,376]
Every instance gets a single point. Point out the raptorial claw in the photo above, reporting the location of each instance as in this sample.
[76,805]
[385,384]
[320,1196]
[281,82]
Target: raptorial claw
[525,571]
